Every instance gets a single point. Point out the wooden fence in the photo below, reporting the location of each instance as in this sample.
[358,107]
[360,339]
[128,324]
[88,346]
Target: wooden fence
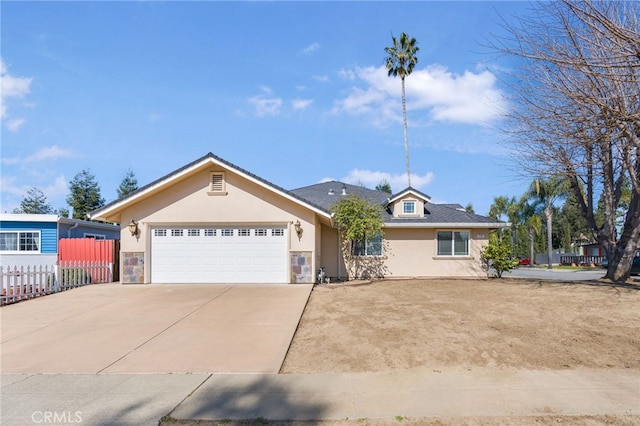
[22,283]
[89,249]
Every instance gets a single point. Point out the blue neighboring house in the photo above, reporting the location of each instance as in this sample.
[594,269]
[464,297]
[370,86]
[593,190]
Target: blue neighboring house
[32,239]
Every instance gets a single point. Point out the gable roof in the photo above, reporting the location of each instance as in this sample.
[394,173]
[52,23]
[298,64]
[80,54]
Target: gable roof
[326,194]
[209,159]
[424,197]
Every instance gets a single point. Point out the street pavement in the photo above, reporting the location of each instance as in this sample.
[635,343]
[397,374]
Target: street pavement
[555,274]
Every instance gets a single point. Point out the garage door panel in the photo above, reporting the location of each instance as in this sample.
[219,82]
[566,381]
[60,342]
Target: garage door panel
[219,255]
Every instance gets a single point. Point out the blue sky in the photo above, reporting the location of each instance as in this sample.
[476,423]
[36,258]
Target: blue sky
[295,92]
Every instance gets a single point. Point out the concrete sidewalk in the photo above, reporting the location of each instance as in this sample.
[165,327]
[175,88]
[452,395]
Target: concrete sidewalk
[113,399]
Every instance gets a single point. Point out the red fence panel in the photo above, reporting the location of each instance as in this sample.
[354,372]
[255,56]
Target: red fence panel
[86,249]
[91,250]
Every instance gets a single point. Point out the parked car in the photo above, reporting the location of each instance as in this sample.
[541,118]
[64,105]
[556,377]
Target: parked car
[635,266]
[525,261]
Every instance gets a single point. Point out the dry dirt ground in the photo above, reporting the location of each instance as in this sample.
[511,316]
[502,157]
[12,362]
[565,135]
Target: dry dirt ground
[465,324]
[528,324]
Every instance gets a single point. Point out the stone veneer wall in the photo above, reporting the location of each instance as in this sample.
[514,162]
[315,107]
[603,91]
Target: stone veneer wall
[133,268]
[301,272]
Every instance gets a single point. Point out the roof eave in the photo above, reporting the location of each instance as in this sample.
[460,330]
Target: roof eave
[446,225]
[117,206]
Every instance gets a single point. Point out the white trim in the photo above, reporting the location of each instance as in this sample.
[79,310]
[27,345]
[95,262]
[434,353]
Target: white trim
[452,255]
[409,191]
[22,231]
[468,225]
[173,177]
[23,217]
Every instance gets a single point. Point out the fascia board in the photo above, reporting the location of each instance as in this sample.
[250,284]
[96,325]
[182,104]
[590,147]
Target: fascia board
[446,225]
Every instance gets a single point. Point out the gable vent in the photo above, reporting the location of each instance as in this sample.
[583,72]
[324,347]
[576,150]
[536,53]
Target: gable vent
[217,182]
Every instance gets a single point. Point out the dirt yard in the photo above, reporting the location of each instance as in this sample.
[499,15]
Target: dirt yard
[464,324]
[437,323]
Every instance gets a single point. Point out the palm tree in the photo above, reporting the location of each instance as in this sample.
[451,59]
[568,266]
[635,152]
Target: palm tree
[545,193]
[400,62]
[533,223]
[505,206]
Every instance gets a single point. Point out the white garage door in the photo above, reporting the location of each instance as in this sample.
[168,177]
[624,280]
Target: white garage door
[219,255]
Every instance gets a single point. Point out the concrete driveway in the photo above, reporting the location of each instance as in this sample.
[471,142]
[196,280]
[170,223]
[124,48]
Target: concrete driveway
[113,328]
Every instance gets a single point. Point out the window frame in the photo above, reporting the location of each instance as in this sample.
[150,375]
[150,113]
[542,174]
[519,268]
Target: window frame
[405,204]
[94,236]
[18,241]
[366,244]
[452,242]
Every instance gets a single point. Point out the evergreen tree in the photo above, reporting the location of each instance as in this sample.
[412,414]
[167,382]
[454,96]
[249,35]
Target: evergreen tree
[384,186]
[84,195]
[128,185]
[35,202]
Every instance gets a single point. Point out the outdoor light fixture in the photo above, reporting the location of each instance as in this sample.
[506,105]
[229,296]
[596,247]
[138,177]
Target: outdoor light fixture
[133,227]
[298,229]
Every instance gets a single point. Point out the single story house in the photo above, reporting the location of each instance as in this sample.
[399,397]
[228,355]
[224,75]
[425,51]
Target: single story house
[214,222]
[32,239]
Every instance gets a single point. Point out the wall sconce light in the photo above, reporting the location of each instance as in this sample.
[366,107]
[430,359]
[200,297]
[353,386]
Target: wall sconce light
[298,229]
[133,227]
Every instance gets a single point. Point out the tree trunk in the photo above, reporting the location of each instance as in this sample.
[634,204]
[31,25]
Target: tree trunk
[549,215]
[531,247]
[406,139]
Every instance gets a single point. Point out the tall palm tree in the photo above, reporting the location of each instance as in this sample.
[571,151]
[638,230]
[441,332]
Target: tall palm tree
[545,193]
[400,62]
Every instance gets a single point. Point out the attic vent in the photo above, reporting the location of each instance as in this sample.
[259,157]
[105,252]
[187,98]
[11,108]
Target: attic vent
[217,186]
[331,192]
[344,190]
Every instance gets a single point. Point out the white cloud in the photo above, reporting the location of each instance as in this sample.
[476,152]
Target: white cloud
[49,153]
[14,125]
[311,48]
[321,78]
[266,106]
[56,189]
[371,178]
[444,96]
[12,87]
[301,104]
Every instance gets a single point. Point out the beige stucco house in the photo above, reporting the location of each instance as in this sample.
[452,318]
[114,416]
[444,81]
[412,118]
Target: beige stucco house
[213,222]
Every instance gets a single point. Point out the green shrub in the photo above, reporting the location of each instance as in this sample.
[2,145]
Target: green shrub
[75,276]
[498,255]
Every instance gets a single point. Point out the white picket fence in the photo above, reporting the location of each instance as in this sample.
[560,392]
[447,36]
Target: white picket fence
[22,283]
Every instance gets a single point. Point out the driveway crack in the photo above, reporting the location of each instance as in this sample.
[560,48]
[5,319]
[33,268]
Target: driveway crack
[164,330]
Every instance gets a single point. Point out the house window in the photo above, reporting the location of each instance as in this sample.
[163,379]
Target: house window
[176,232]
[193,232]
[226,232]
[453,243]
[94,236]
[216,184]
[209,232]
[369,246]
[244,232]
[261,232]
[277,232]
[408,207]
[159,232]
[20,241]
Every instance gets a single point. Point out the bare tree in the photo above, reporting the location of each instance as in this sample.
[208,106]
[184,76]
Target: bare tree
[576,109]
